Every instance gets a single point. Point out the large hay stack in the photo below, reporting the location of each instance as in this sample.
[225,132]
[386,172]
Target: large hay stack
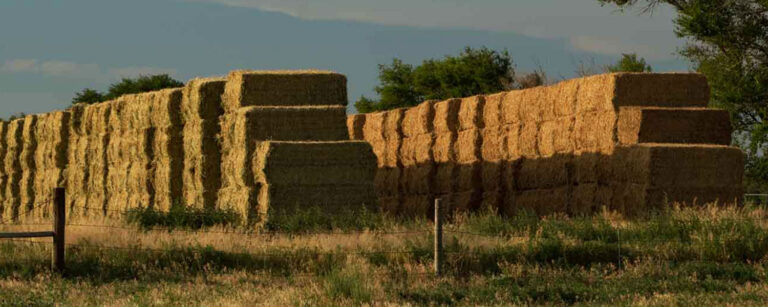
[275,119]
[559,148]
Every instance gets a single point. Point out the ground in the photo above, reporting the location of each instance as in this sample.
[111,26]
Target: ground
[704,256]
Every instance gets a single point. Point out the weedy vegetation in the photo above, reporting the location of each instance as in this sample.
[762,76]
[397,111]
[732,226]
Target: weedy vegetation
[679,256]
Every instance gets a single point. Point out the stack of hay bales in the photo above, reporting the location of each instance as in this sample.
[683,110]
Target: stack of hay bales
[50,157]
[167,148]
[12,161]
[565,147]
[29,143]
[278,115]
[201,108]
[76,170]
[96,120]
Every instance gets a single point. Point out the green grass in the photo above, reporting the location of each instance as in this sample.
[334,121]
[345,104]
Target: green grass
[705,256]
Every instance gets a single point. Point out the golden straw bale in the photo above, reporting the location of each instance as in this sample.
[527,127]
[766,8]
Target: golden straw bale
[168,167]
[545,172]
[603,196]
[595,93]
[51,158]
[673,125]
[307,123]
[96,118]
[531,107]
[468,146]
[512,146]
[443,148]
[699,166]
[28,166]
[510,107]
[166,107]
[283,88]
[417,150]
[202,99]
[393,136]
[493,144]
[77,170]
[373,133]
[117,113]
[491,175]
[97,167]
[555,136]
[241,200]
[76,119]
[492,110]
[419,120]
[3,171]
[594,132]
[564,98]
[446,118]
[355,124]
[329,198]
[528,138]
[471,112]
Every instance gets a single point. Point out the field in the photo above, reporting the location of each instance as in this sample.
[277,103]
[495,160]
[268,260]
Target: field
[705,256]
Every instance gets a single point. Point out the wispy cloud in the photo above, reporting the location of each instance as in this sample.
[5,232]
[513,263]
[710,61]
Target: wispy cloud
[67,69]
[572,20]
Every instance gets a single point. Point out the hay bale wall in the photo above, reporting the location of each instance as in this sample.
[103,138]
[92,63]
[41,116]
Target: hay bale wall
[559,148]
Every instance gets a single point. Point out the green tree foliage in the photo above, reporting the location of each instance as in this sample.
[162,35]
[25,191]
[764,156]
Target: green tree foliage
[474,71]
[728,42]
[89,96]
[630,63]
[128,86]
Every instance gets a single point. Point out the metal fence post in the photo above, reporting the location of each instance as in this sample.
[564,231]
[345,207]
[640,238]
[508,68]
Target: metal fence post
[438,238]
[59,222]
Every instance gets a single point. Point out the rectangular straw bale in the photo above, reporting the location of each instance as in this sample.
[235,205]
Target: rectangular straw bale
[555,136]
[471,113]
[51,154]
[418,120]
[138,183]
[417,179]
[117,113]
[673,125]
[584,199]
[528,140]
[355,124]
[96,119]
[564,96]
[466,201]
[493,144]
[443,179]
[168,166]
[467,177]
[331,199]
[594,132]
[417,150]
[242,200]
[603,196]
[283,88]
[694,165]
[512,146]
[662,90]
[166,107]
[630,164]
[307,123]
[443,148]
[510,107]
[387,181]
[393,136]
[201,99]
[12,161]
[468,146]
[545,173]
[446,116]
[373,133]
[544,201]
[97,171]
[314,163]
[531,107]
[417,206]
[76,123]
[492,200]
[492,110]
[77,170]
[3,171]
[585,168]
[137,112]
[28,165]
[595,93]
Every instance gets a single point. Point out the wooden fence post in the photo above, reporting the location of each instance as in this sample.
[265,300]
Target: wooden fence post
[438,238]
[59,222]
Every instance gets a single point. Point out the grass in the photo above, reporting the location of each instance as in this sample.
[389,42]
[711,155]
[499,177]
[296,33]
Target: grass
[707,256]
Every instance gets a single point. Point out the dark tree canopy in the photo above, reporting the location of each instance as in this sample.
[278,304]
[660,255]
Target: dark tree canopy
[128,86]
[630,63]
[474,71]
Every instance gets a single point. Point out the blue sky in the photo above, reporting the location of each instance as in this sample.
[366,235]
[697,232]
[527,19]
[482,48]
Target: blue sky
[51,49]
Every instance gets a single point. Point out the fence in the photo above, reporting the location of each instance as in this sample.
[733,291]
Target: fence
[438,232]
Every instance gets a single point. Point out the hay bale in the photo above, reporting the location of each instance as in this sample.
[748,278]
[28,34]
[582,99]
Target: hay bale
[467,177]
[563,98]
[419,120]
[510,107]
[584,199]
[201,108]
[468,147]
[306,123]
[52,133]
[512,146]
[168,166]
[28,165]
[555,136]
[393,136]
[697,166]
[446,118]
[97,168]
[594,132]
[333,175]
[283,88]
[545,173]
[528,140]
[3,171]
[544,201]
[12,161]
[387,182]
[663,90]
[417,150]
[673,125]
[373,133]
[531,107]
[492,110]
[443,179]
[355,124]
[471,113]
[444,148]
[417,179]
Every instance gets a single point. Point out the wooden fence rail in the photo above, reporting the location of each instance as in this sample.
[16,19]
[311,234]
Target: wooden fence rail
[59,221]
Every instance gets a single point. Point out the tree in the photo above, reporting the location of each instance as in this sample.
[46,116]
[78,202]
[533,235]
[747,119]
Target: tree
[629,63]
[728,42]
[473,72]
[128,86]
[88,96]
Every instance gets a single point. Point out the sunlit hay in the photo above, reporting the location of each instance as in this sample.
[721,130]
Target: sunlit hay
[284,88]
[51,157]
[28,166]
[201,108]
